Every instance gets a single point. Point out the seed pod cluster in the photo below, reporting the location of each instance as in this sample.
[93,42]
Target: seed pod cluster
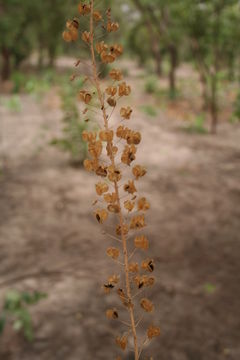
[117,195]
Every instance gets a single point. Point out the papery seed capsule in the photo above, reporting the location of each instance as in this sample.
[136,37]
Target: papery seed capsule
[153,331]
[97,16]
[101,215]
[133,267]
[143,204]
[130,187]
[112,314]
[122,342]
[113,252]
[147,305]
[114,208]
[126,113]
[141,242]
[148,265]
[116,74]
[86,36]
[137,222]
[139,171]
[111,101]
[101,171]
[122,229]
[129,205]
[67,36]
[101,188]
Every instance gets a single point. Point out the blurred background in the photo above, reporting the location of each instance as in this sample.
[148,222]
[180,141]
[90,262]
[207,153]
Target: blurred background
[182,60]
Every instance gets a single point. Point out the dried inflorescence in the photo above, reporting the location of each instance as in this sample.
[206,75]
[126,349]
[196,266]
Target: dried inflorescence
[111,149]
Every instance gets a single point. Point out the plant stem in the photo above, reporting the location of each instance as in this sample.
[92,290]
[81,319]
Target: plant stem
[111,156]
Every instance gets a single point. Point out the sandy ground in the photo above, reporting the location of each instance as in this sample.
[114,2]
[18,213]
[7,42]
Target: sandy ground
[49,240]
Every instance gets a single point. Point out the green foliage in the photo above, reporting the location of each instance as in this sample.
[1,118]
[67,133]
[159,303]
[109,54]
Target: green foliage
[210,288]
[151,85]
[149,110]
[15,310]
[13,104]
[198,125]
[71,141]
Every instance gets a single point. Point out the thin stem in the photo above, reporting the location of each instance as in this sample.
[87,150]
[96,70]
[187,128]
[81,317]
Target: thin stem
[111,156]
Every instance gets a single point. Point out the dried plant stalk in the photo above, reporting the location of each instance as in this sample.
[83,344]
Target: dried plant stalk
[111,174]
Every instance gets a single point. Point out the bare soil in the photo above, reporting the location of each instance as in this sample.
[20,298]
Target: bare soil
[50,241]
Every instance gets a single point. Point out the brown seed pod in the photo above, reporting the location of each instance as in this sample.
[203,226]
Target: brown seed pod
[112,314]
[130,187]
[137,222]
[114,208]
[86,37]
[126,113]
[133,267]
[84,9]
[148,265]
[143,204]
[122,229]
[147,305]
[116,74]
[111,102]
[85,96]
[153,331]
[141,242]
[101,188]
[101,215]
[129,205]
[122,342]
[113,252]
[139,171]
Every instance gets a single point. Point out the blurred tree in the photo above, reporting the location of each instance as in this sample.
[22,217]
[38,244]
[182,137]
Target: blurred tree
[213,29]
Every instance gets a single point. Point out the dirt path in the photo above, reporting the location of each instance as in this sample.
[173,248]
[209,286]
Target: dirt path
[49,240]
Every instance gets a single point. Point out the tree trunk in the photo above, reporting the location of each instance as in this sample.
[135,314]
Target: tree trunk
[213,104]
[172,73]
[205,95]
[6,64]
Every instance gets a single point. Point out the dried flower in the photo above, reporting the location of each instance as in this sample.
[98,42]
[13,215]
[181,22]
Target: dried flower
[147,305]
[153,331]
[113,252]
[141,242]
[111,90]
[144,280]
